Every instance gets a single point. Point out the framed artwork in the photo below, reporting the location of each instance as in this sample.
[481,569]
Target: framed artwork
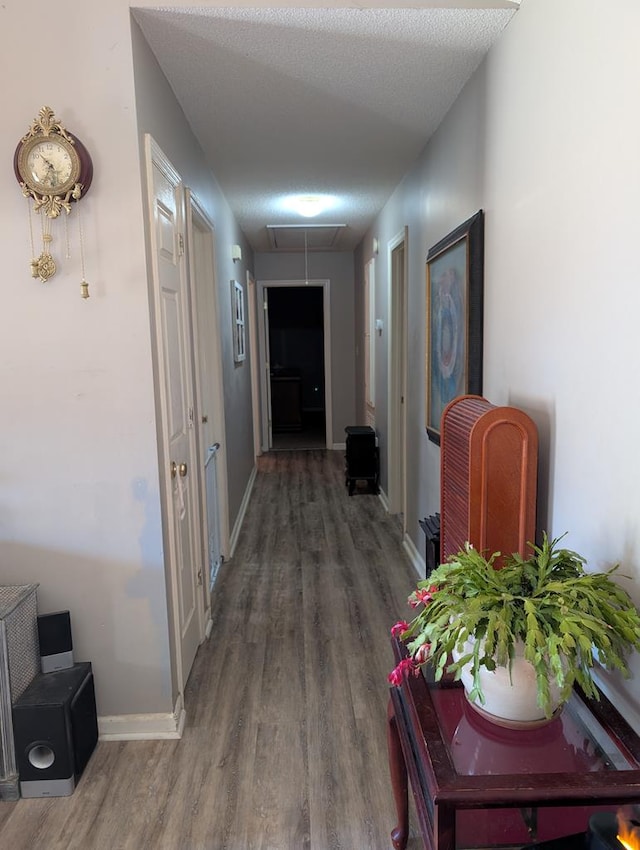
[454,319]
[237,306]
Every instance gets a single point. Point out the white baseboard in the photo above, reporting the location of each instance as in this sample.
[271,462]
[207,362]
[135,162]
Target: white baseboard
[209,626]
[233,541]
[415,557]
[337,447]
[408,545]
[143,727]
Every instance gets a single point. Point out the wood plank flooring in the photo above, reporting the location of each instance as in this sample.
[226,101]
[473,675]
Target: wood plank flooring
[285,742]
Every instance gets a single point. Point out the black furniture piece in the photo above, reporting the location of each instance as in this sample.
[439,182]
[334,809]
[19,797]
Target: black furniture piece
[362,462]
[431,527]
[286,402]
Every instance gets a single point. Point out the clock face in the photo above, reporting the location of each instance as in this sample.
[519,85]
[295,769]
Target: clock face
[49,165]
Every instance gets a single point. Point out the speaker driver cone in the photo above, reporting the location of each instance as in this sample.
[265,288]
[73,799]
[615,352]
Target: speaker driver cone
[41,756]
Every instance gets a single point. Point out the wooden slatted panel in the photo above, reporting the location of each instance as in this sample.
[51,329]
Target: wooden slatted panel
[489,459]
[503,481]
[458,419]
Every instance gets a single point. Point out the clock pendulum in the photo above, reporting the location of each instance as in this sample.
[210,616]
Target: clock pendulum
[44,266]
[54,171]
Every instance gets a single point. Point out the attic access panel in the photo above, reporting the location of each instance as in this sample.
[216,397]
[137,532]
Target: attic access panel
[291,237]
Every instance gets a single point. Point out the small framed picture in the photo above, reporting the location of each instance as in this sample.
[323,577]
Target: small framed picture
[239,336]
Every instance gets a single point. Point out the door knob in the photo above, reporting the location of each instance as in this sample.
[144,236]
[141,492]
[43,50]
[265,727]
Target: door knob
[174,469]
[182,470]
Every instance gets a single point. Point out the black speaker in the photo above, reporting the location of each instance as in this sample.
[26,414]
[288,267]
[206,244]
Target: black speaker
[55,728]
[56,645]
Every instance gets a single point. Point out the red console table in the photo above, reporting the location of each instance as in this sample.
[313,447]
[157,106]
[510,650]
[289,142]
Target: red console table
[478,785]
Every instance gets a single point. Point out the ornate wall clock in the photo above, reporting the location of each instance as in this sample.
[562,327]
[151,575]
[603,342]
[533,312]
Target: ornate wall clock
[54,171]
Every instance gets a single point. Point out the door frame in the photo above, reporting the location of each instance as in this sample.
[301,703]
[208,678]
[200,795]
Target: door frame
[154,156]
[369,341]
[252,301]
[265,395]
[397,371]
[207,351]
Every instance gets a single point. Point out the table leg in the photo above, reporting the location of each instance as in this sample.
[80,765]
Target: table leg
[399,782]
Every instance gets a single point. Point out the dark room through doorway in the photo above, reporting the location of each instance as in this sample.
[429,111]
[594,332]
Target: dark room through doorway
[297,372]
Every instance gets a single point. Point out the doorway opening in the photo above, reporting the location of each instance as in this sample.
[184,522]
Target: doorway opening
[296,359]
[295,365]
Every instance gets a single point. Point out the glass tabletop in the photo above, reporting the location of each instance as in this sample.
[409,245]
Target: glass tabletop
[572,742]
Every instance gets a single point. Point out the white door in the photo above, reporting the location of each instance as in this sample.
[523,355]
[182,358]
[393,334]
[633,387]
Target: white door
[210,424]
[175,368]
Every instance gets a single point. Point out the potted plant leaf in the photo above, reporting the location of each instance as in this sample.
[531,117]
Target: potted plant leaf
[544,616]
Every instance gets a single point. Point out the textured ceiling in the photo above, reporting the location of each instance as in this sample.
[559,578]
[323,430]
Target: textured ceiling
[331,101]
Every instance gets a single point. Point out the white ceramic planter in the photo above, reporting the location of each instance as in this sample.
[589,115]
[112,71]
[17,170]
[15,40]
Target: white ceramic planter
[510,700]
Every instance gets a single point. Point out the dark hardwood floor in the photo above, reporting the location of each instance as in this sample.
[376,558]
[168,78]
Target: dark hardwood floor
[311,435]
[285,742]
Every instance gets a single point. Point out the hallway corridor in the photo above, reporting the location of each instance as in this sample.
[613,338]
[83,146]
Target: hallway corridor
[285,742]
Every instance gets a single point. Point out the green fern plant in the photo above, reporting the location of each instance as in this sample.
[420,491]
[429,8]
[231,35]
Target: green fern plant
[565,617]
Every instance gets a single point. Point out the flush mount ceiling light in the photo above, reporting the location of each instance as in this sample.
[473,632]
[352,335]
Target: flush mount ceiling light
[310,206]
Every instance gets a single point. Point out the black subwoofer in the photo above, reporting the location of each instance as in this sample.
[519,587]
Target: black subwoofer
[55,729]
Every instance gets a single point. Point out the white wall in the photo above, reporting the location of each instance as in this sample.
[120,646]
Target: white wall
[338,268]
[79,494]
[545,138]
[79,504]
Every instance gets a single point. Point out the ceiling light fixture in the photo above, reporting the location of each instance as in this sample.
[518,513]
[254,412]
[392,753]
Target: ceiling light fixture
[308,206]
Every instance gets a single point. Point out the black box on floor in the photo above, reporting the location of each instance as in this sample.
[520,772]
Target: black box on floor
[55,728]
[361,457]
